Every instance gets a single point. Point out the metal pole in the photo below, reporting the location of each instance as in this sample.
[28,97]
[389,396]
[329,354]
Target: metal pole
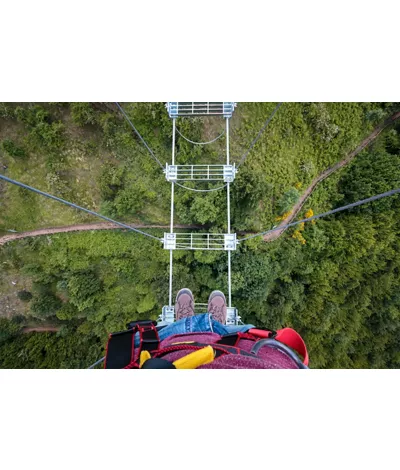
[228,184]
[173,184]
[229,280]
[172,210]
[228,205]
[170,278]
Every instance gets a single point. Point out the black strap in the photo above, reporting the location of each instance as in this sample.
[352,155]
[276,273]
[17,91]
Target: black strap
[156,363]
[230,340]
[121,351]
[149,340]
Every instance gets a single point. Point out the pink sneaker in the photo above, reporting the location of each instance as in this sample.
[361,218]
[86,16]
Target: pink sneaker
[217,306]
[184,305]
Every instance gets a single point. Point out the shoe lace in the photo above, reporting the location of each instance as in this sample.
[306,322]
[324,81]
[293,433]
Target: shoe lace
[216,310]
[185,308]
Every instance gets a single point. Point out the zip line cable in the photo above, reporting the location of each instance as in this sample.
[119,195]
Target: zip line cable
[200,143]
[75,206]
[138,134]
[253,143]
[324,214]
[97,363]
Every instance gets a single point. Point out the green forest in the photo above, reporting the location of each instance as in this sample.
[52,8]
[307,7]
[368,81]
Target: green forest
[335,280]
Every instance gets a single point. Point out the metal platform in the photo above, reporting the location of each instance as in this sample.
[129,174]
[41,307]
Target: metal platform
[168,314]
[200,241]
[200,173]
[176,109]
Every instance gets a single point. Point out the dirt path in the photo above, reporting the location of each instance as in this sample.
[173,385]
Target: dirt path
[298,206]
[80,227]
[40,329]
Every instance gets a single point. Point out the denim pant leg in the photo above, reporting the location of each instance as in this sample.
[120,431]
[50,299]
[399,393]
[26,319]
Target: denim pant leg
[203,323]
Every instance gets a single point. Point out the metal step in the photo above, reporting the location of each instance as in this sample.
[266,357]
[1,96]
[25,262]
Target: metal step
[200,241]
[176,109]
[200,173]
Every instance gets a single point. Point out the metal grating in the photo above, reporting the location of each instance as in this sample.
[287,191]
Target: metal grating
[205,108]
[200,241]
[167,314]
[200,173]
[232,316]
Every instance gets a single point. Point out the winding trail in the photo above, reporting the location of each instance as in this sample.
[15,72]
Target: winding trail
[79,228]
[40,329]
[322,176]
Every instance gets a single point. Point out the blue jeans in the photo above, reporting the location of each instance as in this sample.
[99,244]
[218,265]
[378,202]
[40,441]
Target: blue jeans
[203,323]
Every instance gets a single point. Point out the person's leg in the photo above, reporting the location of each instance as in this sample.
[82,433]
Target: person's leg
[211,322]
[218,310]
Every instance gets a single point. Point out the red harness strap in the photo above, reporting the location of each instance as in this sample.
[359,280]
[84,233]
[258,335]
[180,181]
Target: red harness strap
[286,336]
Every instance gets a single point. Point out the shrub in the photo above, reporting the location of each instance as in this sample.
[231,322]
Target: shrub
[83,113]
[18,319]
[81,289]
[45,305]
[5,111]
[32,115]
[12,149]
[109,126]
[24,295]
[108,209]
[67,312]
[8,329]
[288,200]
[50,134]
[376,115]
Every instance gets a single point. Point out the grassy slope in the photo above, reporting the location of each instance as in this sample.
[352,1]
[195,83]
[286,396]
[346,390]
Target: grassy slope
[302,140]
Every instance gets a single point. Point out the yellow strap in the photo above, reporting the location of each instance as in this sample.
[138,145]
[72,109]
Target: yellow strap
[195,359]
[144,356]
[182,342]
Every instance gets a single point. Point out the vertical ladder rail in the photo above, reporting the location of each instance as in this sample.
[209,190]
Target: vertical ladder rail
[172,211]
[228,206]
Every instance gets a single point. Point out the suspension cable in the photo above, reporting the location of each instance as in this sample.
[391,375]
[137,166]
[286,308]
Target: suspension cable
[201,190]
[259,134]
[138,134]
[75,206]
[200,143]
[97,363]
[324,214]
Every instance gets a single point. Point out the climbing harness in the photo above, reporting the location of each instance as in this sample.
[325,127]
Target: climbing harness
[254,348]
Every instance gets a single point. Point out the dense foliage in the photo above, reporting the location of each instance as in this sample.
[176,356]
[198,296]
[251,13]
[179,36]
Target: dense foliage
[336,280]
